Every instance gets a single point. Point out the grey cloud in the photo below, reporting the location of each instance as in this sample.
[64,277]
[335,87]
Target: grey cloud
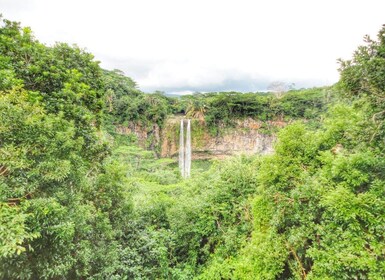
[240,85]
[231,81]
[229,84]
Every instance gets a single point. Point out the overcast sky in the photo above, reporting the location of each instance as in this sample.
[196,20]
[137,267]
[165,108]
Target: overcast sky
[208,45]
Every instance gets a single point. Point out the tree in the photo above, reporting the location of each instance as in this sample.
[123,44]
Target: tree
[60,199]
[363,77]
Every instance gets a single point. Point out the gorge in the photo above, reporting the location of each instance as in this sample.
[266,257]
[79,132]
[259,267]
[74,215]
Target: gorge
[247,136]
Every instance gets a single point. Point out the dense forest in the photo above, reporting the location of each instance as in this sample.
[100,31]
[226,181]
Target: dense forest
[80,201]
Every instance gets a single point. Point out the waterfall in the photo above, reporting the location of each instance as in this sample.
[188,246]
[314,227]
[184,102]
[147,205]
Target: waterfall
[181,150]
[185,150]
[187,164]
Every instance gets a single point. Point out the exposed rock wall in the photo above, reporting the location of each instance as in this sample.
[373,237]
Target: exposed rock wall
[236,142]
[246,137]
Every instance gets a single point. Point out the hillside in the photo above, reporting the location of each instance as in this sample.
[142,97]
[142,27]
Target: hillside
[224,123]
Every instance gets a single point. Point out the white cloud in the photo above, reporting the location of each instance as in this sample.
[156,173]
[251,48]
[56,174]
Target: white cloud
[188,45]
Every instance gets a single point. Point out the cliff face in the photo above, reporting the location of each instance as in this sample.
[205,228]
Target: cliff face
[148,137]
[246,137]
[236,142]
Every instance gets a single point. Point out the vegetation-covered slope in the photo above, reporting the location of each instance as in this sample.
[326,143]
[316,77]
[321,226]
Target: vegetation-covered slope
[77,202]
[63,205]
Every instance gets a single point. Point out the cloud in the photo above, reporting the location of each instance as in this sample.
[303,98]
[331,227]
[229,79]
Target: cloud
[204,45]
[184,76]
[12,6]
[175,75]
[132,67]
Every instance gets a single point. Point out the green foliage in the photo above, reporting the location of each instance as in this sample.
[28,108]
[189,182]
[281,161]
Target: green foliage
[362,79]
[14,233]
[145,109]
[223,108]
[78,203]
[38,149]
[62,204]
[318,213]
[50,71]
[127,104]
[178,225]
[324,216]
[363,75]
[263,257]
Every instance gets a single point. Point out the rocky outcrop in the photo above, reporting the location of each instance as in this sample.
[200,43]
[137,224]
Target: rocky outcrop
[250,142]
[248,136]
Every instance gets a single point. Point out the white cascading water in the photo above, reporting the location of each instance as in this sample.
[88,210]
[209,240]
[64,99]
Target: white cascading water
[181,150]
[185,150]
[187,164]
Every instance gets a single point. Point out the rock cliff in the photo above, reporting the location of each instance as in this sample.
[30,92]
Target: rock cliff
[247,136]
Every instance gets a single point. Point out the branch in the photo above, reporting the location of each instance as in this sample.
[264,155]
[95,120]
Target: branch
[13,201]
[376,114]
[3,170]
[375,133]
[299,262]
